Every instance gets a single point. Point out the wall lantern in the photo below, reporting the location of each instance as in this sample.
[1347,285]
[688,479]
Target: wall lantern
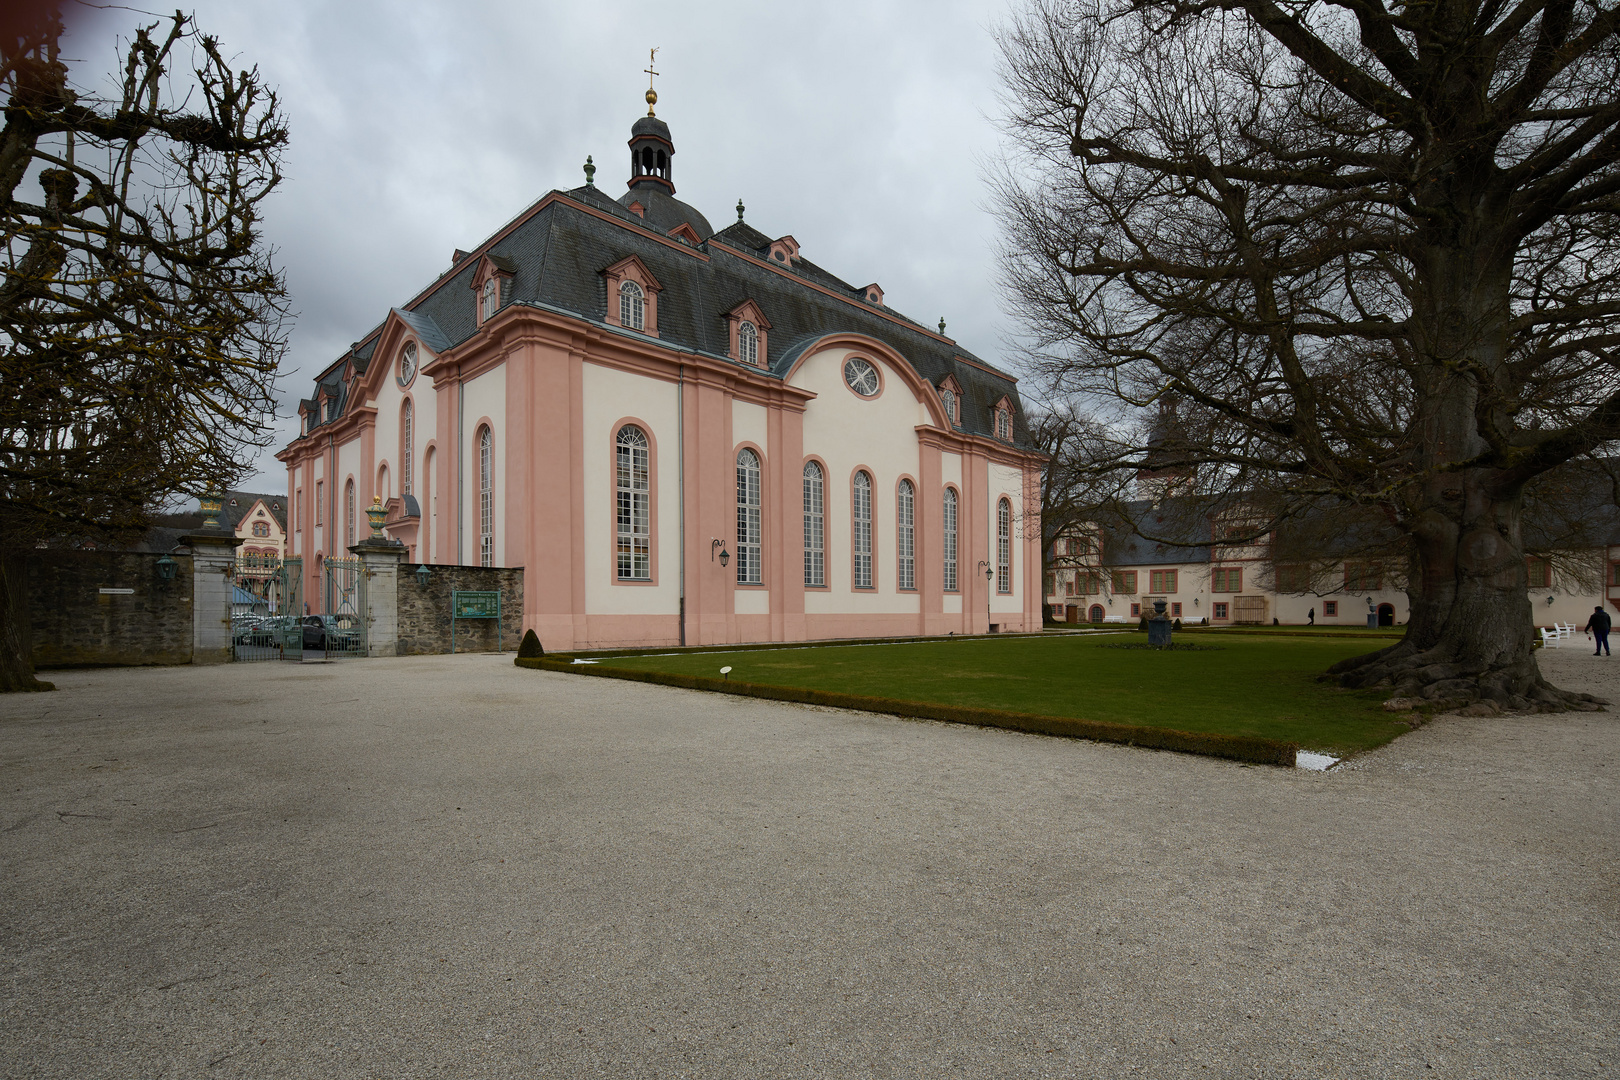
[725,556]
[989,571]
[1549,599]
[422,575]
[166,568]
[1195,601]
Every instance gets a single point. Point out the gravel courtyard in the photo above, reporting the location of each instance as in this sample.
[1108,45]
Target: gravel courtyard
[450,867]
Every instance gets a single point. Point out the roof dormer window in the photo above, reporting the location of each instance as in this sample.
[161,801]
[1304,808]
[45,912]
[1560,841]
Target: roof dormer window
[749,329]
[874,295]
[489,285]
[784,251]
[632,306]
[632,296]
[1004,420]
[950,398]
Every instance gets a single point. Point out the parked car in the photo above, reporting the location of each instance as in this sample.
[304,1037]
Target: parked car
[331,633]
[264,631]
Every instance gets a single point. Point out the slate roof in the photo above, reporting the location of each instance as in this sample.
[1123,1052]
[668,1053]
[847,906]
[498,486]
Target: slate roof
[238,503]
[557,255]
[1181,520]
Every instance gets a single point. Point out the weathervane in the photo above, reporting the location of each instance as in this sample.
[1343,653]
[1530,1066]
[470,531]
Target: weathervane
[652,95]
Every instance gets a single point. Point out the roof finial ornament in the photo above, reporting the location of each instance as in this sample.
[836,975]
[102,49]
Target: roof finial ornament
[739,208]
[652,95]
[942,324]
[590,172]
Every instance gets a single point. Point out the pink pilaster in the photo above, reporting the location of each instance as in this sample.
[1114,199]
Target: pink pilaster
[930,540]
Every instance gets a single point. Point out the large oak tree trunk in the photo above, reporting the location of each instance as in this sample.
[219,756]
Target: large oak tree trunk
[16,648]
[1471,637]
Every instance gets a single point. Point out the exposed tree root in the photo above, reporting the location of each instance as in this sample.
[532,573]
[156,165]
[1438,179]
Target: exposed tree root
[24,682]
[1432,679]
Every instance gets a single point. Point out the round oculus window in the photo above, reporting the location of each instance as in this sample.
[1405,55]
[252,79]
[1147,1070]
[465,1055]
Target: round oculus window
[407,364]
[861,376]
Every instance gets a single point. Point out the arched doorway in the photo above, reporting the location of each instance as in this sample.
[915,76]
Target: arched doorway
[1097,613]
[1386,614]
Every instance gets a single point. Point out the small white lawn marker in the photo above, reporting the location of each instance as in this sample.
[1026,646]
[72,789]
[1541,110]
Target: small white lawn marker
[725,673]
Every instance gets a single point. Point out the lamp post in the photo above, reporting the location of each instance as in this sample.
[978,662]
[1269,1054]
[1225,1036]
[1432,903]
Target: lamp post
[989,572]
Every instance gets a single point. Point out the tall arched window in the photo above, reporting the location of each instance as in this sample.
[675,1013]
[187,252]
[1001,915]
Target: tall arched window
[632,306]
[348,514]
[815,525]
[407,445]
[905,528]
[861,538]
[486,497]
[491,298]
[748,519]
[950,540]
[633,483]
[748,343]
[1004,546]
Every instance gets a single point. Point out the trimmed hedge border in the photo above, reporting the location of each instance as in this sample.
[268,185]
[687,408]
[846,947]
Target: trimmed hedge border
[768,646]
[1234,747]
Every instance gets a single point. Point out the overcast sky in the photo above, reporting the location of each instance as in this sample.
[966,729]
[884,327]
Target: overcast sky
[420,127]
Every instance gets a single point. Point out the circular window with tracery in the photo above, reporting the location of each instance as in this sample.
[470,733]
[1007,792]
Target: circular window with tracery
[861,376]
[407,364]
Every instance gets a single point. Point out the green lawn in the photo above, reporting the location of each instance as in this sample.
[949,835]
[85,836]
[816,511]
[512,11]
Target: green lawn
[1247,685]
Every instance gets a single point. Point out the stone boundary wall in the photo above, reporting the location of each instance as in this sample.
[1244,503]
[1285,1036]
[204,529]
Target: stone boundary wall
[424,612]
[73,623]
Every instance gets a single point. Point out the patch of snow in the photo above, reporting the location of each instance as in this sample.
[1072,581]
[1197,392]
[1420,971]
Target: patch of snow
[1305,759]
[587,661]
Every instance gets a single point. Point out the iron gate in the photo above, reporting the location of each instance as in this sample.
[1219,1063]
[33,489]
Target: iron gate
[341,630]
[264,608]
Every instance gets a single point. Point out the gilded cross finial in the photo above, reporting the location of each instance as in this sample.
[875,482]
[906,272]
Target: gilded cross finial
[652,95]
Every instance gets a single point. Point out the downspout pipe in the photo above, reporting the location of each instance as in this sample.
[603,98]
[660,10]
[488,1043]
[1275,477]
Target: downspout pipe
[680,484]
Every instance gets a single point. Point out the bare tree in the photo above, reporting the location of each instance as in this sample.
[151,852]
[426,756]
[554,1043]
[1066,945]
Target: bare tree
[141,320]
[1076,487]
[1372,249]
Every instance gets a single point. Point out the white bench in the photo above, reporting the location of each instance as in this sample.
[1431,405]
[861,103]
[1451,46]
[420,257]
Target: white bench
[1553,637]
[1114,618]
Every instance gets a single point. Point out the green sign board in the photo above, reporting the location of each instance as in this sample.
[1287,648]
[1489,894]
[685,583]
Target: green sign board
[476,605]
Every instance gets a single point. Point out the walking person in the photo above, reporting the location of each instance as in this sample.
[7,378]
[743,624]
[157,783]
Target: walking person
[1311,617]
[1598,627]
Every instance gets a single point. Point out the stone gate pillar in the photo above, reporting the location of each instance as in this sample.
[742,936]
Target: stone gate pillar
[381,558]
[213,577]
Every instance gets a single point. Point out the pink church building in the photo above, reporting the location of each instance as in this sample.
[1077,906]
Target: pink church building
[682,435]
